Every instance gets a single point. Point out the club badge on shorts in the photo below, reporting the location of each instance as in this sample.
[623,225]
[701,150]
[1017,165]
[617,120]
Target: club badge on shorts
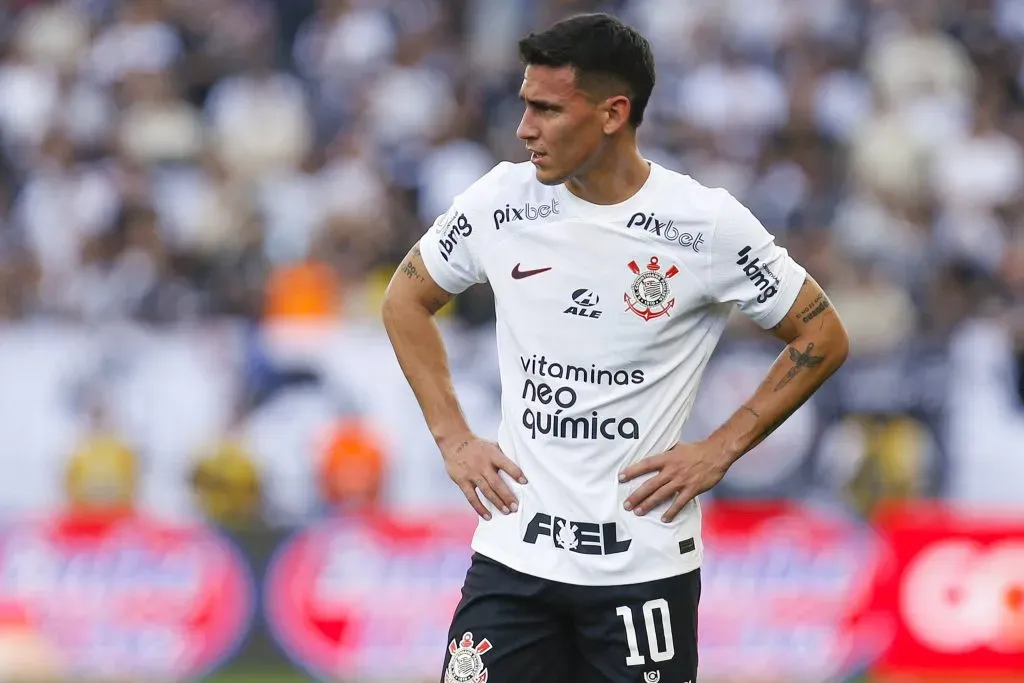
[466,664]
[650,296]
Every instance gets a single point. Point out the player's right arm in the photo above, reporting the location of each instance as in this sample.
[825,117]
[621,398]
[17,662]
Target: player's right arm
[410,302]
[412,298]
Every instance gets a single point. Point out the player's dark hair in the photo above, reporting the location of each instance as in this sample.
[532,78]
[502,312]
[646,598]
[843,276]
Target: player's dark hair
[603,52]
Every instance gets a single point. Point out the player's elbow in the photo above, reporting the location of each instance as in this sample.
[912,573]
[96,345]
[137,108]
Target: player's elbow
[405,303]
[395,305]
[836,340]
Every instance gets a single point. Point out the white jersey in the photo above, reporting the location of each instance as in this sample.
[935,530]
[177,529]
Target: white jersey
[606,318]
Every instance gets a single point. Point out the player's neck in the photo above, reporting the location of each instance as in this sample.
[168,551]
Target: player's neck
[612,179]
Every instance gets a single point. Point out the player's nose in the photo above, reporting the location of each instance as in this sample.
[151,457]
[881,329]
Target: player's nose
[527,130]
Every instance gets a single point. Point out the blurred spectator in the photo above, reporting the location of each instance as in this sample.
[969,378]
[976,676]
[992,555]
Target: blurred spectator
[344,43]
[204,205]
[63,203]
[352,466]
[259,120]
[916,66]
[157,125]
[981,169]
[882,459]
[411,100]
[139,40]
[734,98]
[227,485]
[304,291]
[103,472]
[879,313]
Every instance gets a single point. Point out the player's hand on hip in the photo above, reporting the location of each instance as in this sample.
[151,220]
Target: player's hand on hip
[474,464]
[682,472]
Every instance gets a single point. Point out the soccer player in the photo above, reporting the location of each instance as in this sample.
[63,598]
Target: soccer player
[613,279]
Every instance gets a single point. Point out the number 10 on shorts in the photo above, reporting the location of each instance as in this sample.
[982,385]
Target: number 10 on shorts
[657,653]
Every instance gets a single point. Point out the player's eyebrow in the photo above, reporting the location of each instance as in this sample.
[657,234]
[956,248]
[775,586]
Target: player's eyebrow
[543,105]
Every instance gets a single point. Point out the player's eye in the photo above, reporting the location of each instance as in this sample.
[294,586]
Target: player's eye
[541,107]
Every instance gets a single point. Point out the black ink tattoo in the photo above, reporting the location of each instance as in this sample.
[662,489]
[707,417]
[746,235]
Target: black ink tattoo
[815,308]
[409,268]
[800,361]
[752,412]
[461,447]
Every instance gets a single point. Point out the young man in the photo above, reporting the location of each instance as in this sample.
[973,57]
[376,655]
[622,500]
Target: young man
[613,280]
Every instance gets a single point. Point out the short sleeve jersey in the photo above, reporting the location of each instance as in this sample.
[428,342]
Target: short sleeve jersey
[606,318]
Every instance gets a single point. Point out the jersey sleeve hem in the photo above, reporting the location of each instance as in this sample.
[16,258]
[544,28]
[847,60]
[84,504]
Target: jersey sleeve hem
[785,299]
[439,271]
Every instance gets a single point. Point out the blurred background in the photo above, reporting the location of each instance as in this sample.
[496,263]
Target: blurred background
[211,462]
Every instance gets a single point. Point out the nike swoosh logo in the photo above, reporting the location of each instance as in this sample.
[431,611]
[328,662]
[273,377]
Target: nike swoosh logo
[520,274]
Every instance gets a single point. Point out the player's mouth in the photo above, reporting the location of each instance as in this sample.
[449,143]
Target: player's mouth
[536,157]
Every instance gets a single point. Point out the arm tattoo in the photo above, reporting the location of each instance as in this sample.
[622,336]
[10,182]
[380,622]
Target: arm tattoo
[800,360]
[814,309]
[752,412]
[410,269]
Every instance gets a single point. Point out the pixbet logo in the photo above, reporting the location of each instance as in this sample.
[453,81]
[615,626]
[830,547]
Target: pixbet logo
[756,273]
[584,301]
[585,538]
[528,212]
[666,230]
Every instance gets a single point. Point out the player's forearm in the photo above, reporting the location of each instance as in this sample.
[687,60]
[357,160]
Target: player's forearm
[800,369]
[420,351]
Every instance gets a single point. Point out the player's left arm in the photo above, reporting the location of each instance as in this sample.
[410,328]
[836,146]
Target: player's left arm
[745,266]
[816,345]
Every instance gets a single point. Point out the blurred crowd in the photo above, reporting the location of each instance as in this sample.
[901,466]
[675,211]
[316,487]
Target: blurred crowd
[168,160]
[201,169]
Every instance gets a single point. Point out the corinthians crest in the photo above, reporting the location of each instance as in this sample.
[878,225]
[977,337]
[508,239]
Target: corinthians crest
[650,296]
[466,665]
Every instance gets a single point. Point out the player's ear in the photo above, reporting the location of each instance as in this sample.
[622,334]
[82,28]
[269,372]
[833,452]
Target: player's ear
[616,113]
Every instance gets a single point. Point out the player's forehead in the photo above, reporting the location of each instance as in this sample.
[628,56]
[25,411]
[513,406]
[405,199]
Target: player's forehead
[548,83]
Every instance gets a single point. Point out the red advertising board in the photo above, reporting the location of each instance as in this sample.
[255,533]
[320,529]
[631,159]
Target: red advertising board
[786,594]
[123,598]
[369,598]
[955,583]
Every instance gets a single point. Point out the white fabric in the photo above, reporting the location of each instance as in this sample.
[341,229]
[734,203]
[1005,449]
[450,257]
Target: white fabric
[603,348]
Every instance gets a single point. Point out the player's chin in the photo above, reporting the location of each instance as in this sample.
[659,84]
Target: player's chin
[546,175]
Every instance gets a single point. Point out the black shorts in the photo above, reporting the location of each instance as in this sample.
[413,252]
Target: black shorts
[522,629]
